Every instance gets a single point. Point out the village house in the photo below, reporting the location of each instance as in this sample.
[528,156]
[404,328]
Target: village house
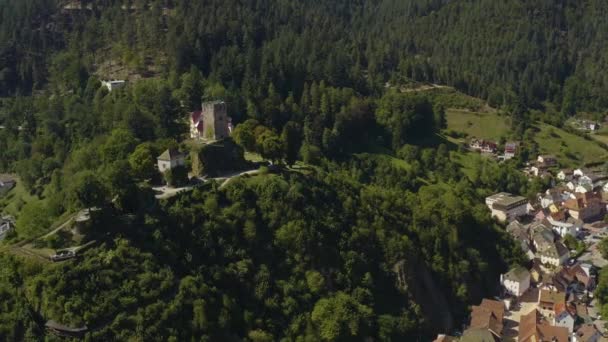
[585,206]
[113,84]
[553,196]
[565,175]
[7,182]
[484,146]
[579,172]
[488,316]
[517,281]
[553,254]
[542,235]
[588,125]
[536,273]
[211,123]
[482,335]
[521,235]
[548,298]
[170,159]
[587,333]
[510,150]
[581,273]
[569,226]
[583,188]
[546,160]
[533,328]
[507,207]
[565,316]
[7,224]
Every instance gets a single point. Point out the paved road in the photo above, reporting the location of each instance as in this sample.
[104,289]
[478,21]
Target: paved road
[592,254]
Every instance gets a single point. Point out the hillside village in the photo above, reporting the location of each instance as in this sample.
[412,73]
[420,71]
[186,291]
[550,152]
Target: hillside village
[559,231]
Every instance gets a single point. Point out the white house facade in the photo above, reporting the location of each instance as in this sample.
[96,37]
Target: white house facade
[516,282]
[114,84]
[564,319]
[563,228]
[555,255]
[170,159]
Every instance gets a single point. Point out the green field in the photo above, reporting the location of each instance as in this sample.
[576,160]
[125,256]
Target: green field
[481,125]
[570,149]
[601,135]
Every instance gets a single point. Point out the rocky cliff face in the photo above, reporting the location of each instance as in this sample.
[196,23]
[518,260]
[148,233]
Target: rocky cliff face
[414,277]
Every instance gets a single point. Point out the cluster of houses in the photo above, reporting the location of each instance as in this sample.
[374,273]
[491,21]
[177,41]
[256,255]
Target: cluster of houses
[555,286]
[586,125]
[580,197]
[491,147]
[540,167]
[557,312]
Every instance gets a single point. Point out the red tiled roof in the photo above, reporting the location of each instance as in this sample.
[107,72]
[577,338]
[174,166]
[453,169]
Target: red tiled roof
[488,315]
[532,328]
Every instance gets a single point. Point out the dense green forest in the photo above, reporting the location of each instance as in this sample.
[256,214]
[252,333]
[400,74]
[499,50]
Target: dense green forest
[505,52]
[338,241]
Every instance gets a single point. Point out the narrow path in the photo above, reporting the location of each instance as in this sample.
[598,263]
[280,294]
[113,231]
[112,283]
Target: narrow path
[63,225]
[228,179]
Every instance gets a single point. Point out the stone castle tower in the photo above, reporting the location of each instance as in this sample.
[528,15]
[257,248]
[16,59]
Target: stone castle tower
[216,122]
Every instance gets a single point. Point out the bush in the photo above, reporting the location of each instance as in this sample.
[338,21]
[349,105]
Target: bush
[310,154]
[176,177]
[214,159]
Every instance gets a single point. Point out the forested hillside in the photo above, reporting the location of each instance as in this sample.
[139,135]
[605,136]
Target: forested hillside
[367,223]
[504,51]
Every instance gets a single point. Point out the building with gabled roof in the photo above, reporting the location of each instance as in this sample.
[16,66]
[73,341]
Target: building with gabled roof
[488,315]
[546,160]
[555,254]
[564,316]
[170,159]
[7,182]
[547,299]
[533,328]
[587,333]
[585,206]
[479,335]
[511,149]
[517,281]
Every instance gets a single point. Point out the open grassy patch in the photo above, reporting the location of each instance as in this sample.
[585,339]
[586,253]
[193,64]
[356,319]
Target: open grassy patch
[468,162]
[570,149]
[477,124]
[253,157]
[601,135]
